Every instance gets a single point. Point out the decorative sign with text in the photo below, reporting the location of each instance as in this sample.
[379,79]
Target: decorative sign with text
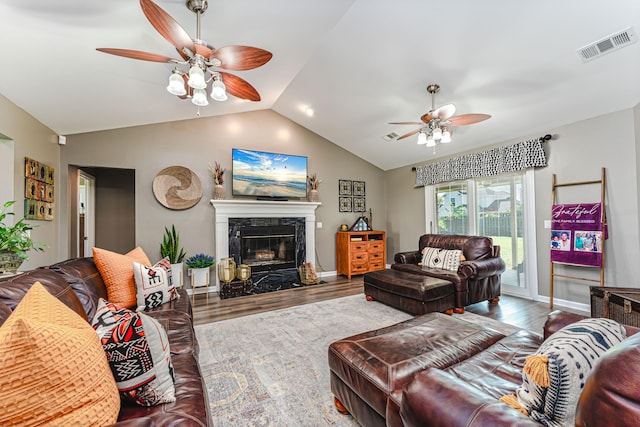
[577,234]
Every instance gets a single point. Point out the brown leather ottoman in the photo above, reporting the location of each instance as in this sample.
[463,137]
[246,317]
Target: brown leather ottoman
[413,293]
[368,367]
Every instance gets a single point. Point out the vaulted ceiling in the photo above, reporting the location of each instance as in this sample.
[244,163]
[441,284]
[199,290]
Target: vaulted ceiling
[359,64]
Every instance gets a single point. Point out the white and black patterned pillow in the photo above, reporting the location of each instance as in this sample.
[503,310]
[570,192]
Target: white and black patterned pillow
[571,354]
[154,285]
[137,349]
[446,259]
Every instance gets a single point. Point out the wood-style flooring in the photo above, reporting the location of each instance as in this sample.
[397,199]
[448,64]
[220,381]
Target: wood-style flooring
[516,311]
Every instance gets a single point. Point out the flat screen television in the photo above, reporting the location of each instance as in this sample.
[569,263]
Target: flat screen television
[268,175]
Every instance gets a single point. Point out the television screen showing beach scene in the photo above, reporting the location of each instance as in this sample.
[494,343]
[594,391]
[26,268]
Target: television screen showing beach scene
[261,174]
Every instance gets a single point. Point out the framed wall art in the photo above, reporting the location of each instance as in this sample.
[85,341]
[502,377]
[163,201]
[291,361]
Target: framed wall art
[345,204]
[344,187]
[39,190]
[359,204]
[358,188]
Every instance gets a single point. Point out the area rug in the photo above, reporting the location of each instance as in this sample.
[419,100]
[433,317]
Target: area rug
[270,369]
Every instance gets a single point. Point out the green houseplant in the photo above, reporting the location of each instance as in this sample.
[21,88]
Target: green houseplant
[200,261]
[15,241]
[170,248]
[199,266]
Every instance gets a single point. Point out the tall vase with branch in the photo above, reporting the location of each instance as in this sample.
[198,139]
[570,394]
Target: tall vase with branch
[217,173]
[314,182]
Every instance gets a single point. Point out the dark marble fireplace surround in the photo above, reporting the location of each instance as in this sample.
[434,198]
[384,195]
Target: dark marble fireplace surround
[280,245]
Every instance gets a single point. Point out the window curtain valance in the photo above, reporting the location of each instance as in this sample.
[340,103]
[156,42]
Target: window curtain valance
[499,160]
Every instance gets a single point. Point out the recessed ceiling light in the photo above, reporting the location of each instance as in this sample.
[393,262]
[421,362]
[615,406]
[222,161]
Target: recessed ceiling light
[309,111]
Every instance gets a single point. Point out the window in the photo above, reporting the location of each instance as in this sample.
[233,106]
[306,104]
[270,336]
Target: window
[495,207]
[453,211]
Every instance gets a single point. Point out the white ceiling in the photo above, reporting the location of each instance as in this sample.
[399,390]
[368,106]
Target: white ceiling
[358,63]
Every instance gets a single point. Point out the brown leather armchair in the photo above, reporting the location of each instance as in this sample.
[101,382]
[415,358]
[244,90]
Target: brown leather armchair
[477,279]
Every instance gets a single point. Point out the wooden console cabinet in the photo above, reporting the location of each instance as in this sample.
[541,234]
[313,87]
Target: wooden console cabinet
[359,252]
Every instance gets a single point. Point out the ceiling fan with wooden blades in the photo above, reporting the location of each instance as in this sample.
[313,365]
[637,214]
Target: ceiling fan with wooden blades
[203,61]
[437,125]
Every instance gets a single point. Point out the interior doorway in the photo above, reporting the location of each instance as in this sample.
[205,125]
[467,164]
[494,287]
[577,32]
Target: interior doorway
[86,213]
[102,210]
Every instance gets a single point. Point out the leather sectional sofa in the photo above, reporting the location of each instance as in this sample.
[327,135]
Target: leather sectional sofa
[78,284]
[458,378]
[477,278]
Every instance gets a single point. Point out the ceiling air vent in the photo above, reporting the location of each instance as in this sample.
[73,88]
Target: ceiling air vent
[390,136]
[608,44]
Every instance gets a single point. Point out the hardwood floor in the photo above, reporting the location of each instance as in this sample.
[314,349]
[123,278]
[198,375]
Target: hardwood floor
[516,311]
[213,309]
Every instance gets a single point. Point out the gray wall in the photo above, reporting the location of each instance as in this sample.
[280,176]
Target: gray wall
[32,139]
[578,154]
[115,209]
[194,144]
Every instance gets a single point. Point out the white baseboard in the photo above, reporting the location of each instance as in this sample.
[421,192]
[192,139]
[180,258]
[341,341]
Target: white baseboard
[327,273]
[202,290]
[557,303]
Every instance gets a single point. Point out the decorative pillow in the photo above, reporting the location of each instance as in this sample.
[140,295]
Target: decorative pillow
[117,272]
[138,352]
[52,367]
[553,378]
[447,259]
[154,284]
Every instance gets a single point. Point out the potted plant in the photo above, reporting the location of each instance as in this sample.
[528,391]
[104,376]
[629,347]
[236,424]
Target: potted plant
[217,174]
[15,241]
[170,248]
[199,265]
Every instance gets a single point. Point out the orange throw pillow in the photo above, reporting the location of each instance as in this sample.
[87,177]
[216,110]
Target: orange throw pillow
[53,369]
[117,272]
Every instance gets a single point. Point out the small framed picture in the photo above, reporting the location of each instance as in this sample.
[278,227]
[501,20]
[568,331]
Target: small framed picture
[344,187]
[358,188]
[345,204]
[359,204]
[31,168]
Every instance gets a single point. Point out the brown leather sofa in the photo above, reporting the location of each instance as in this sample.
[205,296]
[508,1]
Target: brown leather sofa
[467,394]
[460,383]
[77,283]
[477,279]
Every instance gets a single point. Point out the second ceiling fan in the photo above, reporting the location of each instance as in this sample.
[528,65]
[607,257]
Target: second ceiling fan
[203,61]
[436,126]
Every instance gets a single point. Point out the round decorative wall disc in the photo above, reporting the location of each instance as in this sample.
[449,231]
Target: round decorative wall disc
[177,187]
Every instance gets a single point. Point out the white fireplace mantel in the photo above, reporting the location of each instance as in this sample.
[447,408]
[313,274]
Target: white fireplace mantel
[225,209]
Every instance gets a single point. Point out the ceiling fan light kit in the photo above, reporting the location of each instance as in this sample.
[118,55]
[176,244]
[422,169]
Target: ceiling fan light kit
[437,125]
[197,58]
[218,89]
[176,84]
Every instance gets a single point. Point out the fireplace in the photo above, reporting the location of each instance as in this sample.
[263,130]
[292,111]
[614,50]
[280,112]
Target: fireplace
[268,248]
[303,214]
[267,244]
